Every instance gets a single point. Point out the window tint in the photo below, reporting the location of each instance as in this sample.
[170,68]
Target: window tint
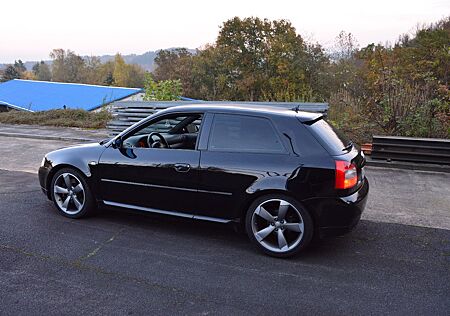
[244,133]
[333,140]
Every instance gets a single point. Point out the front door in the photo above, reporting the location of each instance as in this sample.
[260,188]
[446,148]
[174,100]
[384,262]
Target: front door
[154,172]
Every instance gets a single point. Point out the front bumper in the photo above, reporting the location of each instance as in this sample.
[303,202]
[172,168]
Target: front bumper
[43,175]
[339,215]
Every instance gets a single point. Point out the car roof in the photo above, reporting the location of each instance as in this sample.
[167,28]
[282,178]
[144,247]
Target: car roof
[245,109]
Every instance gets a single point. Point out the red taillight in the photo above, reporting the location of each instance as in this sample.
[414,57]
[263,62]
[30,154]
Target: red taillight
[346,175]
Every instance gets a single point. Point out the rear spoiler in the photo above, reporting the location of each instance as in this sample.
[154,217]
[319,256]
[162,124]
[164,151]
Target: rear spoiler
[309,118]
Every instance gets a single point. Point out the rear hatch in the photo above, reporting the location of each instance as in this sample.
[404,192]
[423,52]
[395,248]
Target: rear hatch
[338,146]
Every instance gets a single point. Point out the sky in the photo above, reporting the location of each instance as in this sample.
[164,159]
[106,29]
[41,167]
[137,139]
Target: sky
[31,29]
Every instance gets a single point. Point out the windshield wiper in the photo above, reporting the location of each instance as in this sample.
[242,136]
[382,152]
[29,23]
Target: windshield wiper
[348,147]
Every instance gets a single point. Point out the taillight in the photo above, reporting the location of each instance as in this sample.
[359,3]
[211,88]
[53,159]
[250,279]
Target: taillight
[346,175]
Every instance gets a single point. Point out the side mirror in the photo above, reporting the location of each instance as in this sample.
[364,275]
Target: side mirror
[117,143]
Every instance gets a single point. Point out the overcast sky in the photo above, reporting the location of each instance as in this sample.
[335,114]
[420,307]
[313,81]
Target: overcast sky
[31,29]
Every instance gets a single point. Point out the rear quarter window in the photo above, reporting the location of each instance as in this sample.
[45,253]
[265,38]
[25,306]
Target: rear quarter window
[244,134]
[333,140]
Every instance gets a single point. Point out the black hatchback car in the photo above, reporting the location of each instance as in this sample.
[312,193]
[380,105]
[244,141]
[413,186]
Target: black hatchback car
[284,175]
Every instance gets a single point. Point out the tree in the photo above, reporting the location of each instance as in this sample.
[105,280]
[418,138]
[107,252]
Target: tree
[11,73]
[121,74]
[67,66]
[58,65]
[345,46]
[136,77]
[126,75]
[42,71]
[175,64]
[18,64]
[92,73]
[264,60]
[208,75]
[166,90]
[15,71]
[105,73]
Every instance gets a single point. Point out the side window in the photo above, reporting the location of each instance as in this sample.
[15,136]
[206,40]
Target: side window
[244,134]
[169,132]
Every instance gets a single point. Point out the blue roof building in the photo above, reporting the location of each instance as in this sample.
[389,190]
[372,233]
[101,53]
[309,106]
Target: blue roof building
[31,95]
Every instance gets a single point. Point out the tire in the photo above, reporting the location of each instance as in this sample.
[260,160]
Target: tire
[278,225]
[71,194]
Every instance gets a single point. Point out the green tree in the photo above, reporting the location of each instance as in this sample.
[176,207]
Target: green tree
[126,75]
[166,90]
[255,59]
[175,64]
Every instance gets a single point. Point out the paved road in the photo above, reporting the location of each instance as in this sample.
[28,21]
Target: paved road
[130,263]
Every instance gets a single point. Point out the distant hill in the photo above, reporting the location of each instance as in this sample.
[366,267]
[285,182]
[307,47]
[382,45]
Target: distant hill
[146,60]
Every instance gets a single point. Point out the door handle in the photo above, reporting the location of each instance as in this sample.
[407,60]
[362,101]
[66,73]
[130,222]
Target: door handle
[182,167]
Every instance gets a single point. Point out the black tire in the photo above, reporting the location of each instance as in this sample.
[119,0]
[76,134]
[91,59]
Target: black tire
[296,217]
[85,200]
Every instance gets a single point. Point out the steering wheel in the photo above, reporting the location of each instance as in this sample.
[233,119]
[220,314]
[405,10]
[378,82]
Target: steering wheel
[162,143]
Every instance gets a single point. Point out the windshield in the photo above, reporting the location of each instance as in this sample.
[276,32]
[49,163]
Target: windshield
[332,139]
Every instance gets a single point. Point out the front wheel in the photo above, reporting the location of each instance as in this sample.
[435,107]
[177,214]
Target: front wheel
[71,193]
[279,225]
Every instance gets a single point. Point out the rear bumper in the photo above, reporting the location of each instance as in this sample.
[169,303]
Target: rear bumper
[338,216]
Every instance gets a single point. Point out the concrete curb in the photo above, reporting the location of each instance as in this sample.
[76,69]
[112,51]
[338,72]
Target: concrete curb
[48,137]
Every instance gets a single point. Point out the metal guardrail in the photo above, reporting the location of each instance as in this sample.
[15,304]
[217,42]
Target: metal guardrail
[126,113]
[422,150]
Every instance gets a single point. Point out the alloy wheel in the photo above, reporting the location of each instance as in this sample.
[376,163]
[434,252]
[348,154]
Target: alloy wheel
[277,225]
[69,193]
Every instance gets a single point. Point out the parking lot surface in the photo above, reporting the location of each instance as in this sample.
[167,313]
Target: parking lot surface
[396,261]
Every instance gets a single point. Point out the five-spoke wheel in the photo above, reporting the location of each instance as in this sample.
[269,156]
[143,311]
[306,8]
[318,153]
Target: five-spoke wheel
[279,225]
[71,193]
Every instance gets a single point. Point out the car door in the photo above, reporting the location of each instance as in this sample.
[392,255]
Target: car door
[240,152]
[149,178]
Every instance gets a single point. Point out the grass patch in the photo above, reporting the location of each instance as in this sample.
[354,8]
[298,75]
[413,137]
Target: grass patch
[63,118]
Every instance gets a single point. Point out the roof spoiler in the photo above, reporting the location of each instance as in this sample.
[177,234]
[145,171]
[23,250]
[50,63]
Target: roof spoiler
[311,122]
[309,118]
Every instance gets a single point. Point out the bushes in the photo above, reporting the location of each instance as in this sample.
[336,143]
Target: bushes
[399,90]
[65,118]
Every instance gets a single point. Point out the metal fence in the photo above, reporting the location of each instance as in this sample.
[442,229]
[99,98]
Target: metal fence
[126,113]
[423,150]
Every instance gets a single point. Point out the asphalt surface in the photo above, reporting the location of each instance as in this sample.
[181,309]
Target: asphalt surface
[129,263]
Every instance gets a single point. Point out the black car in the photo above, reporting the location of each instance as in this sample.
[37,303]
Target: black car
[284,175]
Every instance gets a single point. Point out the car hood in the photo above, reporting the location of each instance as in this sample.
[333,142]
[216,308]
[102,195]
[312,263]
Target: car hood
[78,156]
[78,147]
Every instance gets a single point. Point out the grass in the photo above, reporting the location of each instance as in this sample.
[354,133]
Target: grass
[63,118]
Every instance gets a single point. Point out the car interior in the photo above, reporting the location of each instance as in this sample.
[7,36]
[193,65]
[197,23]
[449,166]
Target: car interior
[172,132]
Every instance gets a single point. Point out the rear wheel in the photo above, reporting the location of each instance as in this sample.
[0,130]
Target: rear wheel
[71,193]
[279,225]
